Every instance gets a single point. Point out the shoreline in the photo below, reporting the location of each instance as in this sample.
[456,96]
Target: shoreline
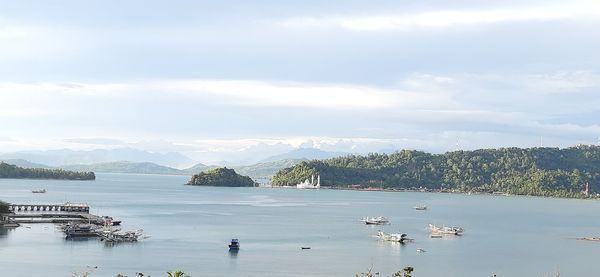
[372,189]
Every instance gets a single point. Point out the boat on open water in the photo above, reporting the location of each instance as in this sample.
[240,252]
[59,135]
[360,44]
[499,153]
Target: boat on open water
[420,207]
[234,245]
[445,230]
[379,220]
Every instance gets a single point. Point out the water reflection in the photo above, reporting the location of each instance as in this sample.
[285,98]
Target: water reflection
[233,253]
[4,232]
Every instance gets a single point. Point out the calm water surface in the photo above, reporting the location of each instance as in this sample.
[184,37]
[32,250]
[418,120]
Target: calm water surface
[190,228]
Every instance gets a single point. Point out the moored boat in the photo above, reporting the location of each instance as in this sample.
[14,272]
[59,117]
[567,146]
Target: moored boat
[379,220]
[81,230]
[445,230]
[393,237]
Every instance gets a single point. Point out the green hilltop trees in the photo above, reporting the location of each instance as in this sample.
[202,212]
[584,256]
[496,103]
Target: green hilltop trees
[531,171]
[221,177]
[15,172]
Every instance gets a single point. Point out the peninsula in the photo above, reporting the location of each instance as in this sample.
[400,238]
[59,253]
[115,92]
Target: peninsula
[567,172]
[221,177]
[10,171]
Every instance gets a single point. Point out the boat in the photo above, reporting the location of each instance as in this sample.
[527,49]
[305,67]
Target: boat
[421,250]
[310,184]
[38,191]
[393,237]
[234,245]
[379,220]
[112,236]
[109,221]
[445,230]
[81,230]
[304,248]
[420,207]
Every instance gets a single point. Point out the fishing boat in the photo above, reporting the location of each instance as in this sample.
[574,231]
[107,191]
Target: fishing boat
[420,207]
[393,237]
[234,245]
[38,191]
[379,220]
[81,230]
[445,230]
[109,221]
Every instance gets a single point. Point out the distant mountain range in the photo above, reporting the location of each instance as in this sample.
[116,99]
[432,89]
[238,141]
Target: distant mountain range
[306,154]
[61,157]
[129,160]
[24,163]
[126,167]
[259,170]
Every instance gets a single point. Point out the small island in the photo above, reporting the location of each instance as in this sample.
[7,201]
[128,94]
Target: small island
[221,177]
[10,171]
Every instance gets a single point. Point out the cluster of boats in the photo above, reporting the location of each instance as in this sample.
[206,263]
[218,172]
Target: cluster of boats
[106,233]
[435,231]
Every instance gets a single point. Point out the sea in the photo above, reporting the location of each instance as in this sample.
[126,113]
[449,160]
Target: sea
[189,228]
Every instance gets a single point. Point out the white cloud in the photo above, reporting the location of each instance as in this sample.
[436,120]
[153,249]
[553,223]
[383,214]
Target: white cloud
[563,81]
[240,92]
[260,93]
[169,115]
[450,18]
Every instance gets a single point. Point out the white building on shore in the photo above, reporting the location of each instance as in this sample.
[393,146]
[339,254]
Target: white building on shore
[310,184]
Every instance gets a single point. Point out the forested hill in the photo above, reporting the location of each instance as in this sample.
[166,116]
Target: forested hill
[15,172]
[531,171]
[221,177]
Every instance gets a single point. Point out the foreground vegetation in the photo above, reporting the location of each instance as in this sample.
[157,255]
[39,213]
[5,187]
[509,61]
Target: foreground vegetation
[531,171]
[221,177]
[15,172]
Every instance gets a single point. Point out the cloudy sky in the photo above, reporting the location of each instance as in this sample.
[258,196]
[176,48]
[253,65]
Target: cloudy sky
[227,79]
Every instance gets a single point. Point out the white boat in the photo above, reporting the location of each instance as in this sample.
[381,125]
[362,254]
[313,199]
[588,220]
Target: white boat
[421,250]
[445,230]
[393,237]
[310,184]
[420,207]
[117,235]
[379,220]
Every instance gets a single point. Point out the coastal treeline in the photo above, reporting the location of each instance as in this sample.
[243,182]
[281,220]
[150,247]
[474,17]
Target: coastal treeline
[15,172]
[3,207]
[531,171]
[221,177]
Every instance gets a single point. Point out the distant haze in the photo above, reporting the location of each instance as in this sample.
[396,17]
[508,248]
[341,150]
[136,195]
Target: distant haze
[237,82]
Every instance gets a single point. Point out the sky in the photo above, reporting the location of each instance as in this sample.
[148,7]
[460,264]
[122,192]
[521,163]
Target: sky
[229,80]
